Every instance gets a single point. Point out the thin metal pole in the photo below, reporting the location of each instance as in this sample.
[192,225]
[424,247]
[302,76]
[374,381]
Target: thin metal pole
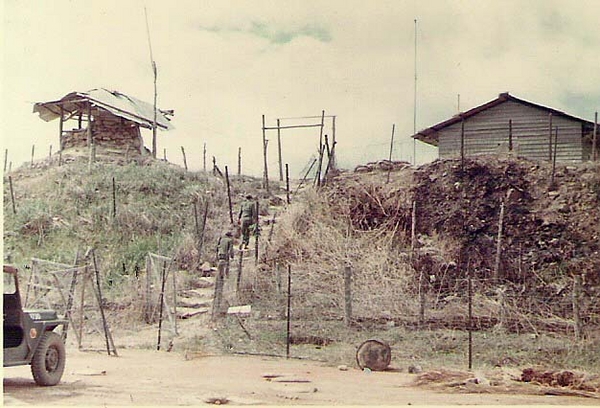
[595,139]
[114,197]
[287,182]
[154,71]
[391,150]
[229,194]
[161,301]
[289,312]
[279,151]
[415,102]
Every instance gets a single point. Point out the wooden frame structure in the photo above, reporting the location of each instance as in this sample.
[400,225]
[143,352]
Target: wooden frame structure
[324,146]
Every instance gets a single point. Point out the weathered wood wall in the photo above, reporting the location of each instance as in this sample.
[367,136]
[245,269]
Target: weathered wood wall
[108,131]
[487,133]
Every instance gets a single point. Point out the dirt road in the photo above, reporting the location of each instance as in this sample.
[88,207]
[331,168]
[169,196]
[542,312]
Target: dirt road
[144,377]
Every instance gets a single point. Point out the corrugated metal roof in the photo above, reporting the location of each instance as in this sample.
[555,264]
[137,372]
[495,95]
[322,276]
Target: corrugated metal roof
[428,135]
[118,104]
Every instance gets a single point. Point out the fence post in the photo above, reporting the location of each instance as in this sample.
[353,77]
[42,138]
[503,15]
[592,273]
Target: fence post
[12,195]
[5,159]
[114,197]
[287,183]
[470,323]
[239,273]
[229,194]
[576,309]
[216,306]
[348,295]
[239,169]
[184,159]
[289,312]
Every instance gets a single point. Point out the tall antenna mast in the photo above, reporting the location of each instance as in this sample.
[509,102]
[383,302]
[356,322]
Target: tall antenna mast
[154,71]
[415,102]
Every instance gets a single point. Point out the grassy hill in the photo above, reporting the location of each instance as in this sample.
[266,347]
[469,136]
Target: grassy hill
[358,222]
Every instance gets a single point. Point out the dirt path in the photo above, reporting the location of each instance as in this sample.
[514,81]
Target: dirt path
[144,377]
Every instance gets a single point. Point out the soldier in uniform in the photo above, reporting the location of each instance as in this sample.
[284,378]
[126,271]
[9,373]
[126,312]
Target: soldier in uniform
[247,216]
[225,251]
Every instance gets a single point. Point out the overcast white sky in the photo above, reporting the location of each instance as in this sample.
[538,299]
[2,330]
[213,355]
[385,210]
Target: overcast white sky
[223,64]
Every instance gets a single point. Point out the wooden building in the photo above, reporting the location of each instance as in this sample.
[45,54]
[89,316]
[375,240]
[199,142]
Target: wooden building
[104,118]
[510,124]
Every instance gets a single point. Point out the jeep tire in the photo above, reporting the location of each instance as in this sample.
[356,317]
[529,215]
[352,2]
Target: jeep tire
[48,362]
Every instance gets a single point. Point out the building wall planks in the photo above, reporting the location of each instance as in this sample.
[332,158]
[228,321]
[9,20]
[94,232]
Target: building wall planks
[488,133]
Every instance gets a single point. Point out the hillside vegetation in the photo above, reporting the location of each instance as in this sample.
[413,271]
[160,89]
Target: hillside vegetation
[358,222]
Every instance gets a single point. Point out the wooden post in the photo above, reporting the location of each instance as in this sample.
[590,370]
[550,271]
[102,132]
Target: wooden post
[61,142]
[175,302]
[272,226]
[554,155]
[287,183]
[229,194]
[86,273]
[90,137]
[278,277]
[114,198]
[289,312]
[239,272]
[279,151]
[266,168]
[239,170]
[216,306]
[391,150]
[576,310]
[12,195]
[256,234]
[184,159]
[50,154]
[100,302]
[321,150]
[203,227]
[470,316]
[5,159]
[413,231]
[462,145]
[165,154]
[348,295]
[204,158]
[499,243]
[510,136]
[214,160]
[333,142]
[550,137]
[161,301]
[595,139]
[32,154]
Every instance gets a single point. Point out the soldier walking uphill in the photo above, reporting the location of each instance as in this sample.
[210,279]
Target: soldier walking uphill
[248,217]
[225,251]
[224,254]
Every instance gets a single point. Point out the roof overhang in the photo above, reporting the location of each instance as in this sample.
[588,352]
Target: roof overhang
[116,103]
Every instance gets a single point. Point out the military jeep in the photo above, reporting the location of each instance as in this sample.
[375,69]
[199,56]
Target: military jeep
[29,337]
